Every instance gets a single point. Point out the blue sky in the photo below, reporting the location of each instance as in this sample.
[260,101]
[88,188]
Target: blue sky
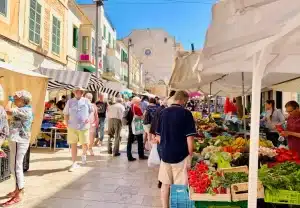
[185,20]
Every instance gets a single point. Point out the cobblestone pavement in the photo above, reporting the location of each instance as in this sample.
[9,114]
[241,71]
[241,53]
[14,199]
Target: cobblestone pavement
[104,182]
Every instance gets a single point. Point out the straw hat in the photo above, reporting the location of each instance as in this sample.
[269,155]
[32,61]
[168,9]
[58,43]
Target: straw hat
[79,88]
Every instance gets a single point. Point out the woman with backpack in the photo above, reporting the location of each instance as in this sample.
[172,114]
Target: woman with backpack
[148,117]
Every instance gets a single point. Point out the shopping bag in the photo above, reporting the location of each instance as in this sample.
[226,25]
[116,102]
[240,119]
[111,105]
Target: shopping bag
[137,126]
[153,159]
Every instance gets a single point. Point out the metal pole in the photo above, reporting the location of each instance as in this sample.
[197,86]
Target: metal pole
[128,63]
[97,38]
[243,101]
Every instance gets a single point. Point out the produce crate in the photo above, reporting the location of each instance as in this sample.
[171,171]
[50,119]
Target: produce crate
[239,191]
[179,197]
[208,197]
[4,167]
[283,197]
[26,161]
[240,204]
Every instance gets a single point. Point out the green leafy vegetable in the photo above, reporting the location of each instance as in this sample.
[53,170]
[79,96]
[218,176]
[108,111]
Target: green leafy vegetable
[232,178]
[284,176]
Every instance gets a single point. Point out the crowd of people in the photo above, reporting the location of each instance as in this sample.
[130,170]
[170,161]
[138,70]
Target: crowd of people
[168,123]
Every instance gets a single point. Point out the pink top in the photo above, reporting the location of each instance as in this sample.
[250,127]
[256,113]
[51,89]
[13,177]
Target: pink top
[94,120]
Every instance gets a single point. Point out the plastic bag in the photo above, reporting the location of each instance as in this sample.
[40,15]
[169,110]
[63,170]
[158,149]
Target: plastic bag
[153,159]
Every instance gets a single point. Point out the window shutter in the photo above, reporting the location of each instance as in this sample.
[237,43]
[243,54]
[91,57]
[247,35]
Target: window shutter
[3,7]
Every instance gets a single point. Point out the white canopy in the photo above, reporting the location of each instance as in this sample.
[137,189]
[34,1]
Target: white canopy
[185,75]
[258,37]
[290,86]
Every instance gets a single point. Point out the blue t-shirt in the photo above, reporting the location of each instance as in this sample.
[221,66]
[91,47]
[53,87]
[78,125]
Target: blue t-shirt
[174,126]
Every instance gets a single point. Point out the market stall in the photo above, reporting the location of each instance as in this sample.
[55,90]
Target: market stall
[255,48]
[53,131]
[13,79]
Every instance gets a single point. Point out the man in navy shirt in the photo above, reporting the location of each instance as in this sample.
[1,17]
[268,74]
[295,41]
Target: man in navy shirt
[175,130]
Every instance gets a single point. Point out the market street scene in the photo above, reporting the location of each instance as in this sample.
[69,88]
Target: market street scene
[150,103]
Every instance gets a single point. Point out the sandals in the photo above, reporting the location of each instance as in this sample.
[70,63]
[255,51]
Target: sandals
[91,152]
[12,201]
[11,194]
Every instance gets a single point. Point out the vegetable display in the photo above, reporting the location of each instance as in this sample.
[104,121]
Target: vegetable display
[234,177]
[284,155]
[204,180]
[284,176]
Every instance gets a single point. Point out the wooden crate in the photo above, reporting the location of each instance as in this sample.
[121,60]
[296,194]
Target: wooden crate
[235,169]
[208,197]
[239,191]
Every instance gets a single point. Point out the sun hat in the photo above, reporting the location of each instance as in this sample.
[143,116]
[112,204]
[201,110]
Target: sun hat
[79,88]
[24,94]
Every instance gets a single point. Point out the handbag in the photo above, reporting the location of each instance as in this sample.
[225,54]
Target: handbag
[137,125]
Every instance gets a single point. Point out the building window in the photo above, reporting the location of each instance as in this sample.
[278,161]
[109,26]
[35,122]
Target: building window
[35,22]
[93,47]
[124,56]
[109,38]
[55,35]
[104,32]
[85,44]
[114,43]
[3,8]
[166,40]
[75,37]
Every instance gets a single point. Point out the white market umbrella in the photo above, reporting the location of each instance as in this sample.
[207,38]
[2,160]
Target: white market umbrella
[185,75]
[244,51]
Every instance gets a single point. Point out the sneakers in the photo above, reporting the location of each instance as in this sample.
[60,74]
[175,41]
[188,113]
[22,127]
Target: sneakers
[83,158]
[74,167]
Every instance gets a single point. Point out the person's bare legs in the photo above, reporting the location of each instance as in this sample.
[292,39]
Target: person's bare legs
[74,152]
[165,194]
[92,139]
[84,149]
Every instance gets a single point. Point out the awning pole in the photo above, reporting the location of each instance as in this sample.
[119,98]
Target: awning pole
[209,96]
[243,102]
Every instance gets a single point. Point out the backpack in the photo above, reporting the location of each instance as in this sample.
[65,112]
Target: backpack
[127,117]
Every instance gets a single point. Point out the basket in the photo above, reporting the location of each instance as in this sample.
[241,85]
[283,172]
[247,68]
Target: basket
[239,191]
[179,197]
[26,161]
[4,167]
[282,197]
[240,204]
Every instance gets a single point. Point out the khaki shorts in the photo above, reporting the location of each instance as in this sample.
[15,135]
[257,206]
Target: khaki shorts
[174,173]
[75,136]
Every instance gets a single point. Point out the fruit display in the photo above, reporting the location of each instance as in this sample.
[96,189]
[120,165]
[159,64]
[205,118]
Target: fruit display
[61,125]
[265,143]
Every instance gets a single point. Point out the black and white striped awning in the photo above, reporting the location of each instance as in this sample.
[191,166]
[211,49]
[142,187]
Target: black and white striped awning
[53,85]
[95,84]
[69,79]
[109,91]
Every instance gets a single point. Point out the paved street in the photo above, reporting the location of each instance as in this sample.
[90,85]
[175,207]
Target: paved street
[104,182]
